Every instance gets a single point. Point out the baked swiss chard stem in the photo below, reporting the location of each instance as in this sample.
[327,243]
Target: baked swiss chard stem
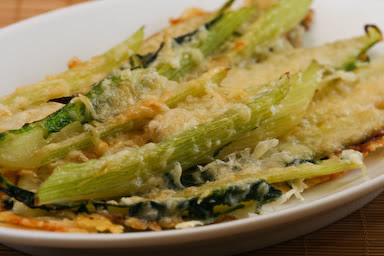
[202,206]
[232,190]
[293,107]
[100,97]
[82,75]
[198,206]
[276,22]
[192,88]
[203,42]
[128,171]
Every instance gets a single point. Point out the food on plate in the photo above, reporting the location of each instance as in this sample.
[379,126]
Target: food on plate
[204,122]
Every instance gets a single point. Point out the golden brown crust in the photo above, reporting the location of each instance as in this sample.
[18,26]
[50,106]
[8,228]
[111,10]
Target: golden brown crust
[73,62]
[83,223]
[370,145]
[143,225]
[179,26]
[40,224]
[376,141]
[321,179]
[308,20]
[282,186]
[225,218]
[187,14]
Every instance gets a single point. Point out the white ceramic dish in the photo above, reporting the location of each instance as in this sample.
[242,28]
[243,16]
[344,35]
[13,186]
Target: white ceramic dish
[39,46]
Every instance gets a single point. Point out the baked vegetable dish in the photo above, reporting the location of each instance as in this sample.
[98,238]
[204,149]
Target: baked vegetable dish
[204,122]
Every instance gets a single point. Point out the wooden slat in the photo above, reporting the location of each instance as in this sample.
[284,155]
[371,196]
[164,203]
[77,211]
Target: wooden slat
[8,12]
[361,233]
[12,11]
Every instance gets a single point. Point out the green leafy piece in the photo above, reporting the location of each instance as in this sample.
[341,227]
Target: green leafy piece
[19,194]
[348,160]
[259,192]
[28,198]
[202,206]
[221,195]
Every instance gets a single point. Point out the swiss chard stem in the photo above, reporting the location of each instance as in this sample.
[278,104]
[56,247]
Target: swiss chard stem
[129,171]
[335,55]
[276,22]
[82,75]
[99,104]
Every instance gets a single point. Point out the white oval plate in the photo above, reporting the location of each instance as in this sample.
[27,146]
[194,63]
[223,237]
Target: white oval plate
[42,45]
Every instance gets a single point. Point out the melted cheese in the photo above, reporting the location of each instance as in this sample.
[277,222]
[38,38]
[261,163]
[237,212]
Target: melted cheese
[344,113]
[292,61]
[189,23]
[196,110]
[30,115]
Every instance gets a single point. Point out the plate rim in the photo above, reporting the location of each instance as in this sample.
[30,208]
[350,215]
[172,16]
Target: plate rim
[141,239]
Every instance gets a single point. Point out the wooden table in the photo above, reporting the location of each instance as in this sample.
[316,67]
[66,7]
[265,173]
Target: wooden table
[361,233]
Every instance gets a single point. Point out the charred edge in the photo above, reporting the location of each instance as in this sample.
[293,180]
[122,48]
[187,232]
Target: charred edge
[227,5]
[82,209]
[308,20]
[302,161]
[212,22]
[62,100]
[189,179]
[8,204]
[375,141]
[187,37]
[21,195]
[27,197]
[145,60]
[104,205]
[364,57]
[217,152]
[368,26]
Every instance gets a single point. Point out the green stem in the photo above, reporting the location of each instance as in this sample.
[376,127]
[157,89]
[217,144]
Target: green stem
[130,171]
[110,96]
[205,42]
[78,77]
[276,22]
[58,148]
[337,55]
